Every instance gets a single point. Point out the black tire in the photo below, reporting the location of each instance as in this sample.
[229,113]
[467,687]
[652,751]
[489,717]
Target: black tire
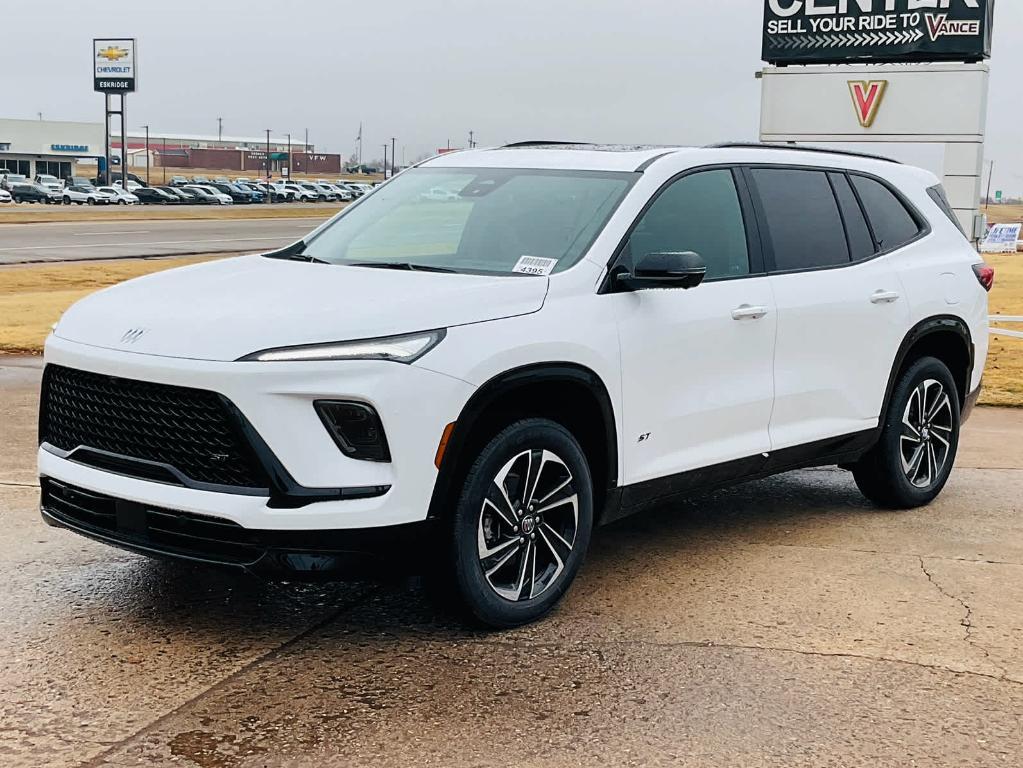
[553,539]
[67,200]
[911,462]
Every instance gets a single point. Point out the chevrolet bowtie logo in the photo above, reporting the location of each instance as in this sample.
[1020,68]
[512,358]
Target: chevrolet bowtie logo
[132,335]
[112,53]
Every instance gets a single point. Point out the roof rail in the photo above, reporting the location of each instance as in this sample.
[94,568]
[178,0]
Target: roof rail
[535,143]
[799,148]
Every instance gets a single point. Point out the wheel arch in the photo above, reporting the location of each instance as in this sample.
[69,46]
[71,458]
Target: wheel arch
[945,337]
[568,393]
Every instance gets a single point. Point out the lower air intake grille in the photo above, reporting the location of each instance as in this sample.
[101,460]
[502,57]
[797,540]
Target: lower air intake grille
[192,431]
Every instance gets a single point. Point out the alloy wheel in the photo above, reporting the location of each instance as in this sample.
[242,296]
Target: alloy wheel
[925,442]
[527,525]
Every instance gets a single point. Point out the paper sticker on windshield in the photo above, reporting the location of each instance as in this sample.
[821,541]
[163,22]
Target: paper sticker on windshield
[535,265]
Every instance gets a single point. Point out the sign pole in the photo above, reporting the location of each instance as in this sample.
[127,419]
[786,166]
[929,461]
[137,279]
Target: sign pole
[124,144]
[106,140]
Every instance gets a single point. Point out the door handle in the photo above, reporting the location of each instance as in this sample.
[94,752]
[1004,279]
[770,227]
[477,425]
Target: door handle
[883,297]
[746,312]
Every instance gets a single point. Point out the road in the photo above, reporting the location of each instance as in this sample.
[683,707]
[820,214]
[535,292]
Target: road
[63,241]
[782,623]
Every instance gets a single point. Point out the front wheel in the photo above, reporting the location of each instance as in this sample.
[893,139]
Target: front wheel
[522,525]
[913,458]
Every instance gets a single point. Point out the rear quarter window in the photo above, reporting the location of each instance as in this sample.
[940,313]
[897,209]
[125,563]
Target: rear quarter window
[891,221]
[937,194]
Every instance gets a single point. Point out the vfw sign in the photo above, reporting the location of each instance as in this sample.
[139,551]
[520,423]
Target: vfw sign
[835,31]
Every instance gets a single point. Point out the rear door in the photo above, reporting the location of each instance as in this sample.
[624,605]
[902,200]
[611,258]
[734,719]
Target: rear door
[696,364]
[842,314]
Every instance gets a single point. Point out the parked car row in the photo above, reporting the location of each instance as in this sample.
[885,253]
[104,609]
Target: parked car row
[199,190]
[243,189]
[78,194]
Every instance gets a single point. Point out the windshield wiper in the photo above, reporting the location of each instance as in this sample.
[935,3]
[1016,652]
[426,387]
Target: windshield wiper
[295,252]
[405,265]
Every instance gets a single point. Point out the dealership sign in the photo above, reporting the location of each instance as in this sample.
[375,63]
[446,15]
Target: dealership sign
[838,31]
[114,66]
[867,96]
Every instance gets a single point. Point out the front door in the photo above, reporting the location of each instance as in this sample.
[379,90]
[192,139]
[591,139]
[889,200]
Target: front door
[696,365]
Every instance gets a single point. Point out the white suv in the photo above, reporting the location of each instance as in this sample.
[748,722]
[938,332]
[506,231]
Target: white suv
[475,383]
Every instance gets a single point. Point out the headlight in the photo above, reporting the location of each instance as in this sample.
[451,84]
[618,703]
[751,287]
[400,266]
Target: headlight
[399,349]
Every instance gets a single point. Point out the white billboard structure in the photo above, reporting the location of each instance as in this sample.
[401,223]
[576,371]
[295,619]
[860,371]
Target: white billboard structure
[944,104]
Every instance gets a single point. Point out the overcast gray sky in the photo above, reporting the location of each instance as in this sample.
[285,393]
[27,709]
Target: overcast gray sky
[660,71]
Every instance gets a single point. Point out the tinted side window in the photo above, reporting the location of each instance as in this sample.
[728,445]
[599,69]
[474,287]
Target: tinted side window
[700,213]
[937,194]
[861,244]
[893,225]
[802,218]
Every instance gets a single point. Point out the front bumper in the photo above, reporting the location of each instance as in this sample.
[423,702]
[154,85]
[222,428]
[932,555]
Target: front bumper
[292,555]
[277,399]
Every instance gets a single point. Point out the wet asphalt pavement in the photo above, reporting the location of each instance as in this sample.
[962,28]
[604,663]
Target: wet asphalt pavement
[782,623]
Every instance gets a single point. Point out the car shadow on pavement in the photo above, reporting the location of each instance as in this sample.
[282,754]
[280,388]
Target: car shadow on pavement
[181,595]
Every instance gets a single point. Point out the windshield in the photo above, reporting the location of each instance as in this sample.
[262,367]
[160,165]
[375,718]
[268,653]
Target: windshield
[476,220]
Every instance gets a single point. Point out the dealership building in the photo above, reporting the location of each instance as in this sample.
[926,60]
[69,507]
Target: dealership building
[32,147]
[65,149]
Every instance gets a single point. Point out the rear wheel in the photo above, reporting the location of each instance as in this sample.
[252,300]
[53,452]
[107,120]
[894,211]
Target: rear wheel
[522,525]
[67,200]
[913,458]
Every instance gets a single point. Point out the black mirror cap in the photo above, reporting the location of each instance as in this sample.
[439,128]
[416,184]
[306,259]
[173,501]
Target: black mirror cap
[667,269]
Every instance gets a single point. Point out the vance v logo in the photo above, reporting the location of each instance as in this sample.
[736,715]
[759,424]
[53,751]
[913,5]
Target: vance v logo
[867,97]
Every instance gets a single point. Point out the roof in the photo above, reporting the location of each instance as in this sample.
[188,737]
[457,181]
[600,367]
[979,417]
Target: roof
[632,158]
[156,133]
[554,155]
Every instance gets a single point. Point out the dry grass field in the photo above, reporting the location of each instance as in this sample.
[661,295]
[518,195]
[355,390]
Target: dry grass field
[1004,214]
[1003,379]
[33,297]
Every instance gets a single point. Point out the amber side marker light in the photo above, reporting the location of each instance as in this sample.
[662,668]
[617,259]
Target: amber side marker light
[443,444]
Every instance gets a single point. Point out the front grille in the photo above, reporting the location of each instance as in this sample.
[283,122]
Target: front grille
[190,430]
[154,528]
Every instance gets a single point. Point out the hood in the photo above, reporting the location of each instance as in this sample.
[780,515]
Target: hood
[227,309]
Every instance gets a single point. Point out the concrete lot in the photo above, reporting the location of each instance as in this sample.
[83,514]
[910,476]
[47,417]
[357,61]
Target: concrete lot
[782,623]
[66,241]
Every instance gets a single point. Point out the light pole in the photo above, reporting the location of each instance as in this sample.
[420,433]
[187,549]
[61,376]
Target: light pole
[990,173]
[163,159]
[220,130]
[393,155]
[385,162]
[472,144]
[289,156]
[268,162]
[147,154]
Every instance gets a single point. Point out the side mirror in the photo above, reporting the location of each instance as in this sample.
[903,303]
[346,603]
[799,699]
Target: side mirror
[666,270]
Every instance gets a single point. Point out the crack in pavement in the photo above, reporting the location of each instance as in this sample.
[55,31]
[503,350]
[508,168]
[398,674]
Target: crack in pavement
[966,621]
[888,554]
[697,644]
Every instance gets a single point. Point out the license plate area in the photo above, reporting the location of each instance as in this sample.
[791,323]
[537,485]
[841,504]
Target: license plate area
[131,517]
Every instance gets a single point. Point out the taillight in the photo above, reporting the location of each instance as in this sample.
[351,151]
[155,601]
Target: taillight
[985,275]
